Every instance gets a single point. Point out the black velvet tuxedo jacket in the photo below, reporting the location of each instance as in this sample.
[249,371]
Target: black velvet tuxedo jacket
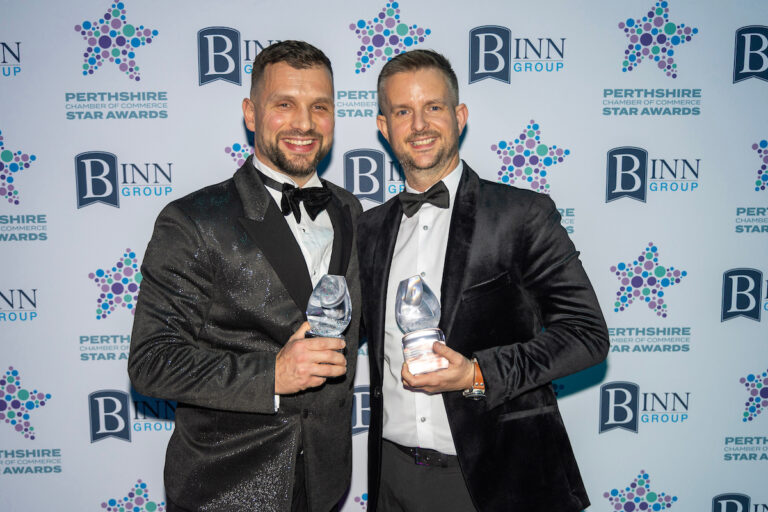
[225,285]
[514,295]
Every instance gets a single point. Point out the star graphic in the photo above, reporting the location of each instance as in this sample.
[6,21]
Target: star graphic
[135,500]
[16,402]
[645,279]
[762,173]
[656,38]
[639,496]
[527,159]
[385,36]
[119,286]
[239,152]
[757,388]
[112,38]
[11,162]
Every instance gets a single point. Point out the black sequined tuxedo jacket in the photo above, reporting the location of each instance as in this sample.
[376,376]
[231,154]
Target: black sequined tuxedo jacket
[514,295]
[224,287]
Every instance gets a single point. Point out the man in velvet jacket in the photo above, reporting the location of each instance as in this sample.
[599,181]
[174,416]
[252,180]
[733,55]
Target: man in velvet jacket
[517,311]
[263,417]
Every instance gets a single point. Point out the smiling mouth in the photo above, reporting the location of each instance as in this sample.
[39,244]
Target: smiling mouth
[422,142]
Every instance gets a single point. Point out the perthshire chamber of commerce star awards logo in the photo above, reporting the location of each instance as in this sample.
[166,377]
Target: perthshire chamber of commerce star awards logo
[757,389]
[11,163]
[135,500]
[655,38]
[111,38]
[384,37]
[645,280]
[638,496]
[17,402]
[239,152]
[118,285]
[762,173]
[526,159]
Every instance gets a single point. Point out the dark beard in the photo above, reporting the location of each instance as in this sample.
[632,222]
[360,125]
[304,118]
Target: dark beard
[296,169]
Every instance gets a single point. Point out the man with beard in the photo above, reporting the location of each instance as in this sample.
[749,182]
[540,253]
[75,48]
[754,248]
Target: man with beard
[263,416]
[518,311]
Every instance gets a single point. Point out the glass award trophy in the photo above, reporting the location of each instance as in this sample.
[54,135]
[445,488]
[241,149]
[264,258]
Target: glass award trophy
[329,309]
[417,313]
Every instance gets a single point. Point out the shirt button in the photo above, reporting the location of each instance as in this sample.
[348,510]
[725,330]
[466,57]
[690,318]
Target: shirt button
[425,228]
[422,419]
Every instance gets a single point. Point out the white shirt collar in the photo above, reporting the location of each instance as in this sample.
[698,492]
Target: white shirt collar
[451,181]
[314,181]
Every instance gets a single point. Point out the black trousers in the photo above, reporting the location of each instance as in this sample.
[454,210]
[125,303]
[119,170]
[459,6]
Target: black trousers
[409,487]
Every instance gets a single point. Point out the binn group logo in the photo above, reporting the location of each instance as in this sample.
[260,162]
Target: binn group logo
[655,38]
[10,58]
[385,36]
[361,410]
[18,402]
[623,406]
[527,160]
[645,279]
[639,496]
[369,175]
[100,178]
[118,285]
[11,164]
[750,56]
[114,413]
[113,39]
[627,174]
[223,55]
[137,499]
[743,294]
[18,305]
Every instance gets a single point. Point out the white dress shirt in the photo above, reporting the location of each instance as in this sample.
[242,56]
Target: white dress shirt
[416,418]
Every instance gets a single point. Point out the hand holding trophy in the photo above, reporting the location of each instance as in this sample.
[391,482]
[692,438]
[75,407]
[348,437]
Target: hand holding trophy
[417,312]
[329,309]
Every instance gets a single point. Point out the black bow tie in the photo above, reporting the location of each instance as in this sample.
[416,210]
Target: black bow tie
[315,198]
[438,195]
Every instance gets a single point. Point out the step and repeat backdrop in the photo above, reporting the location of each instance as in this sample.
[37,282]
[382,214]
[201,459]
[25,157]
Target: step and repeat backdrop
[645,122]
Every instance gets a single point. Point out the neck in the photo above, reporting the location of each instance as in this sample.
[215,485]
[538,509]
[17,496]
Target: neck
[421,180]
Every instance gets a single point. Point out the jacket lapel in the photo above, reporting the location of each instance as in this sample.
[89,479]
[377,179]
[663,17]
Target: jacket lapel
[341,218]
[459,242]
[266,226]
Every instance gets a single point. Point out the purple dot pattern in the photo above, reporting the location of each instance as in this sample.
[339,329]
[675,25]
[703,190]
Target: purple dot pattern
[527,160]
[645,280]
[762,173]
[384,37]
[11,163]
[135,500]
[638,496]
[239,152]
[655,38]
[757,388]
[362,501]
[118,285]
[17,402]
[111,38]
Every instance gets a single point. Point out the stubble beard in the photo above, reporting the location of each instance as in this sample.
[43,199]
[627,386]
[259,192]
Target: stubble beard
[436,165]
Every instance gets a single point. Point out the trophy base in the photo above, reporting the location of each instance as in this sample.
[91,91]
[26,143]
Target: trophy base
[418,353]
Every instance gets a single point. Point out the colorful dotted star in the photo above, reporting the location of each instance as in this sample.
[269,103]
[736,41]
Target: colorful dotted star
[11,162]
[639,496]
[118,286]
[757,387]
[656,38]
[385,36]
[16,402]
[362,501]
[112,38]
[239,152]
[645,279]
[527,159]
[136,500]
[762,173]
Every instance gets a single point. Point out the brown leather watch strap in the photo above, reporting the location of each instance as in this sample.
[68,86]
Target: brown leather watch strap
[479,381]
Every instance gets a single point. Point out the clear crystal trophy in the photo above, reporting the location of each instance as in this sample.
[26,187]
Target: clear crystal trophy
[417,312]
[329,309]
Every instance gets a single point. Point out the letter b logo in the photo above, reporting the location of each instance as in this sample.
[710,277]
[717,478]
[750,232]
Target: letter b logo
[619,406]
[741,293]
[490,53]
[626,174]
[96,174]
[110,415]
[364,174]
[218,55]
[731,503]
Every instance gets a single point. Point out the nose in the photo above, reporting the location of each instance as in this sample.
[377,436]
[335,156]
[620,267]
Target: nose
[419,121]
[303,119]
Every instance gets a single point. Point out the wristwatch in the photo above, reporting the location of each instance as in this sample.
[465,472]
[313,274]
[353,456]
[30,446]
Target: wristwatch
[477,391]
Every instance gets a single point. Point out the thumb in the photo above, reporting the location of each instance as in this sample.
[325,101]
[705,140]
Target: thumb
[442,349]
[301,331]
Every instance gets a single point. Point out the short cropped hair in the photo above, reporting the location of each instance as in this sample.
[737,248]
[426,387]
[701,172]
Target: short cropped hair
[297,54]
[415,60]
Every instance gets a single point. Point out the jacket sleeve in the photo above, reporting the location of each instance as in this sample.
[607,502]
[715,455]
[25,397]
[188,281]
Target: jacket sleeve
[573,335]
[167,358]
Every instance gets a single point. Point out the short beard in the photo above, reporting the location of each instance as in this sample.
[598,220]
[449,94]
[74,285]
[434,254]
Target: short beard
[442,157]
[284,164]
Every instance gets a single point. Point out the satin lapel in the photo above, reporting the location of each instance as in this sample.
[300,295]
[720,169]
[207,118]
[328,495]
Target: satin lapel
[266,226]
[459,242]
[341,218]
[386,238]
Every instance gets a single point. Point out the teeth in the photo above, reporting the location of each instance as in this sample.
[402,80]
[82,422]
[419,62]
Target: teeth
[299,142]
[422,142]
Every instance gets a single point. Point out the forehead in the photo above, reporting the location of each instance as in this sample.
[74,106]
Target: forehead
[283,79]
[425,84]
